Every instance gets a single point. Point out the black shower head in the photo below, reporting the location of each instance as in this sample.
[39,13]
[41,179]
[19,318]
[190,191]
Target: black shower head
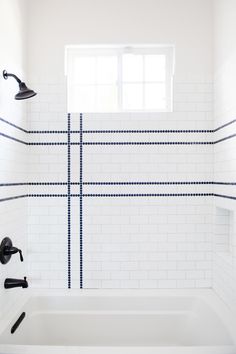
[24,91]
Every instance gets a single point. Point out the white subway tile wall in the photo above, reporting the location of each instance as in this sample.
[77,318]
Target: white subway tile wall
[224,260]
[128,242]
[224,256]
[13,212]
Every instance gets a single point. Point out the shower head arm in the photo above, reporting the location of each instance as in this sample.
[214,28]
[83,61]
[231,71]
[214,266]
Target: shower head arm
[6,75]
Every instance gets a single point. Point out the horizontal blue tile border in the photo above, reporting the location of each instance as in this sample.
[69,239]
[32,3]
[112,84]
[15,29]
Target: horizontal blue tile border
[81,183]
[118,183]
[104,131]
[121,195]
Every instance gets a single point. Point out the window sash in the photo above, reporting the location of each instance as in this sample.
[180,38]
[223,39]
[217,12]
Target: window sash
[73,52]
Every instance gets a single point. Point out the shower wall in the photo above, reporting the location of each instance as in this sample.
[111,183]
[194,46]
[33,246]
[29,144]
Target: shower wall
[224,280]
[159,215]
[146,216]
[119,235]
[13,153]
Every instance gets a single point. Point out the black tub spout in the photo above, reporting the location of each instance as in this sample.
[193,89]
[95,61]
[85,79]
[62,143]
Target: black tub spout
[15,283]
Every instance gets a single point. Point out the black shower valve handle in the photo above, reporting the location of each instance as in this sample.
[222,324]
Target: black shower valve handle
[13,250]
[16,250]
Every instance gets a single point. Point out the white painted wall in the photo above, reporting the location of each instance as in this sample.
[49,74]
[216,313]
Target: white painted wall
[13,156]
[13,56]
[224,60]
[56,23]
[224,279]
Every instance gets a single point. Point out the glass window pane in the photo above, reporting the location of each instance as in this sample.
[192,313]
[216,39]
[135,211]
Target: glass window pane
[84,70]
[107,68]
[155,96]
[132,96]
[155,67]
[106,98]
[97,78]
[83,98]
[132,68]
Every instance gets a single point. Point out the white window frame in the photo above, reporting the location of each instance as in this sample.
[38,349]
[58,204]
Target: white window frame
[73,51]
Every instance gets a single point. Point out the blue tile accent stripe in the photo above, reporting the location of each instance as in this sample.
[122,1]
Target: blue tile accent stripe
[49,131]
[13,198]
[148,183]
[48,183]
[127,142]
[110,131]
[14,139]
[224,125]
[118,183]
[14,184]
[56,143]
[69,200]
[81,201]
[51,195]
[118,195]
[225,196]
[225,138]
[13,125]
[150,131]
[128,131]
[225,183]
[147,143]
[104,195]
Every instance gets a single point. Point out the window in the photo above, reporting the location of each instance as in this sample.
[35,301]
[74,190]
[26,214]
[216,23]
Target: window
[119,79]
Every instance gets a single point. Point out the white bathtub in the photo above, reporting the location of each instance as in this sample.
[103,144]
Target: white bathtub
[121,322]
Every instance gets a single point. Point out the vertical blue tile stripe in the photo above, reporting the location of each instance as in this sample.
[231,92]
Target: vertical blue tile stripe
[69,201]
[81,200]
